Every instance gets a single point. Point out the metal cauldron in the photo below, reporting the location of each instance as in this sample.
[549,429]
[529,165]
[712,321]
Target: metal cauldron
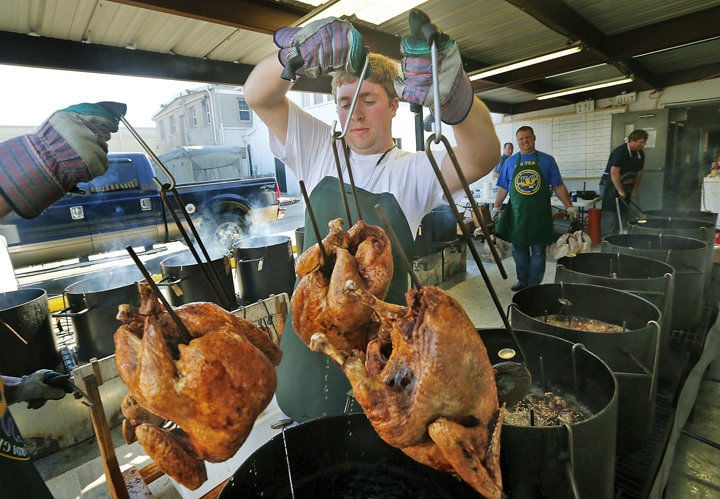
[633,355]
[337,456]
[696,229]
[686,255]
[649,279]
[704,216]
[27,313]
[264,265]
[92,305]
[185,281]
[577,460]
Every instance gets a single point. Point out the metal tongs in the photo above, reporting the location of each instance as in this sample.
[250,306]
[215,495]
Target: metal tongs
[513,378]
[206,266]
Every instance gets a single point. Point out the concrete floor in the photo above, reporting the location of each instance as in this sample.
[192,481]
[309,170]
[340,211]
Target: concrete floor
[695,466]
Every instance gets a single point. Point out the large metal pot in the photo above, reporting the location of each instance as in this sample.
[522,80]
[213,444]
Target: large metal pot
[337,456]
[263,266]
[686,255]
[185,280]
[27,313]
[437,229]
[633,355]
[552,461]
[92,305]
[705,216]
[649,279]
[696,229]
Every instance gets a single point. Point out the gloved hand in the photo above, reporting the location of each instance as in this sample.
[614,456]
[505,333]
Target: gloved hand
[416,84]
[495,214]
[40,386]
[321,47]
[572,213]
[70,147]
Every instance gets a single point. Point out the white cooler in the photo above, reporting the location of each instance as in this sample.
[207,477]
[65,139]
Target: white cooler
[711,196]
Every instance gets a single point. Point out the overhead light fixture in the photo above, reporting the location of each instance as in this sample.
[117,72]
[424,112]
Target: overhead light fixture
[590,86]
[372,11]
[504,68]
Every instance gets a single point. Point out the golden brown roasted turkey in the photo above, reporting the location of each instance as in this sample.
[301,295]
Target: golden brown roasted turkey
[192,399]
[428,387]
[319,303]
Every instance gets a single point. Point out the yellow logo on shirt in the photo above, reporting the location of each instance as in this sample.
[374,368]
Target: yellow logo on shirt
[527,182]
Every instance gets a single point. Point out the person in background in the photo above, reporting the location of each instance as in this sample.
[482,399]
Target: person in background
[35,171]
[507,152]
[402,183]
[621,180]
[18,475]
[526,222]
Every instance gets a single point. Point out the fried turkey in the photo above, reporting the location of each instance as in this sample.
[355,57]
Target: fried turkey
[207,388]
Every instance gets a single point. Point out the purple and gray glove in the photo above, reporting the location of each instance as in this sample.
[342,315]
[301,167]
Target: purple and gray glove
[416,83]
[321,47]
[70,147]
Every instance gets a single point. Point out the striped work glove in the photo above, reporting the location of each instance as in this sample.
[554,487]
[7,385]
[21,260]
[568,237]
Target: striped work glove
[70,147]
[321,47]
[416,83]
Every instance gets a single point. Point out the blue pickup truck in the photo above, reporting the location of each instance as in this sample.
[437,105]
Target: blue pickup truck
[124,207]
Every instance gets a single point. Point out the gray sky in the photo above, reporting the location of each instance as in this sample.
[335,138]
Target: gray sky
[29,95]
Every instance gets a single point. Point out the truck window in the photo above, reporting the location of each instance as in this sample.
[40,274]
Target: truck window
[121,175]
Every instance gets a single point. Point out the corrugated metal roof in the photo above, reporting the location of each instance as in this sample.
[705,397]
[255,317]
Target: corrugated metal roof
[490,32]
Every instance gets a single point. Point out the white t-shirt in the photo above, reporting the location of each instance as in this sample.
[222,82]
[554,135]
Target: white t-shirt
[308,152]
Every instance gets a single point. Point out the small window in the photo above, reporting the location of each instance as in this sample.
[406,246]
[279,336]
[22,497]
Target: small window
[193,116]
[206,110]
[244,109]
[161,126]
[173,129]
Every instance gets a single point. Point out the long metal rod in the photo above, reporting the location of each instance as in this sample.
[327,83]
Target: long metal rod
[474,206]
[313,222]
[341,182]
[473,250]
[396,244]
[351,177]
[208,270]
[361,78]
[157,292]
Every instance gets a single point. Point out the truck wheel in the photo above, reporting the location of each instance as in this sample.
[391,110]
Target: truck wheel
[229,227]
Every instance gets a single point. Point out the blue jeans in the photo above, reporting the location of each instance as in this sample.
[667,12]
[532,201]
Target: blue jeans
[529,263]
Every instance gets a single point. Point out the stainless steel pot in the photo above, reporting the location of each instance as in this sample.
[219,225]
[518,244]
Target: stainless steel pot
[92,305]
[26,313]
[185,280]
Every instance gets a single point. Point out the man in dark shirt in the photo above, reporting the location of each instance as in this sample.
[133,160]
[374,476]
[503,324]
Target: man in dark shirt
[621,180]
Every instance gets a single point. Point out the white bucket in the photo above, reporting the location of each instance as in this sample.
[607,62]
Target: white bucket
[711,196]
[487,190]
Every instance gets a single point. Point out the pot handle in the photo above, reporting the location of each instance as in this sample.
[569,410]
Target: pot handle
[64,312]
[169,281]
[570,464]
[656,364]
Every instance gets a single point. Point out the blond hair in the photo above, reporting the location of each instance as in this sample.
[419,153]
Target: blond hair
[382,71]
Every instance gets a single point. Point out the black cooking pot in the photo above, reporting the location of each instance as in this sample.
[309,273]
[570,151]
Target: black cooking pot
[705,216]
[264,265]
[695,229]
[686,255]
[552,461]
[437,229]
[26,312]
[338,456]
[92,305]
[185,280]
[644,277]
[633,354]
